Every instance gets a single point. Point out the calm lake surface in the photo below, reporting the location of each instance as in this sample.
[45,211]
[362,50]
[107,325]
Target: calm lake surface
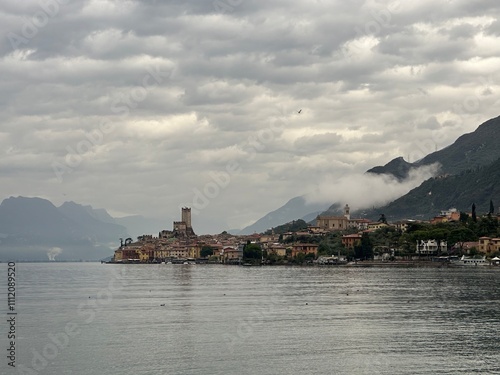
[95,319]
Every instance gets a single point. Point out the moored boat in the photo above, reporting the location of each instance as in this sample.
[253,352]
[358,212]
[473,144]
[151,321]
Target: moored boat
[463,261]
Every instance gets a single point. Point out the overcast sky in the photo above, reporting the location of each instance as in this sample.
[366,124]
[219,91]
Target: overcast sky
[142,107]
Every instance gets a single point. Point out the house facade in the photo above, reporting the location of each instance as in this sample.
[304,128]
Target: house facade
[430,247]
[304,248]
[351,240]
[489,245]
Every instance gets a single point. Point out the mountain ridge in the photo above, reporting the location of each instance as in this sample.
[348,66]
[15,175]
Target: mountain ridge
[469,151]
[460,191]
[33,228]
[297,208]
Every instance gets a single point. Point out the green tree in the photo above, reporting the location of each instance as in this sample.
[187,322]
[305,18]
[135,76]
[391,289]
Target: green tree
[365,249]
[309,257]
[299,258]
[492,208]
[474,217]
[461,235]
[293,226]
[252,251]
[324,248]
[273,258]
[463,217]
[420,235]
[473,251]
[405,244]
[487,226]
[206,251]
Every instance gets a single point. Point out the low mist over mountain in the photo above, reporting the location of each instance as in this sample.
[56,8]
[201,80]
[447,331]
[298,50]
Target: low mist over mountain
[468,173]
[398,168]
[398,180]
[362,190]
[469,151]
[459,191]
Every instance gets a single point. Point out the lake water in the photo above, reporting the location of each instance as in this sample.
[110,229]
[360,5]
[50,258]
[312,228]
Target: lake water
[96,319]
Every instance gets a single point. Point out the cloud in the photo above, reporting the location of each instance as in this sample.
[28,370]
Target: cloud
[366,190]
[375,79]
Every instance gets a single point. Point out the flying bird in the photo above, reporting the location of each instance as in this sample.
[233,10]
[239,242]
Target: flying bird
[300,110]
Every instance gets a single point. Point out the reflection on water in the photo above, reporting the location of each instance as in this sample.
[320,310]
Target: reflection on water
[209,319]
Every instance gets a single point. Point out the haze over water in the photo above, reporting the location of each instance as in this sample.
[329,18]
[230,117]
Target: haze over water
[256,320]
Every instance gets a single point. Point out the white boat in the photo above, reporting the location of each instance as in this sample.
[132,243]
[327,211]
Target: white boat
[463,261]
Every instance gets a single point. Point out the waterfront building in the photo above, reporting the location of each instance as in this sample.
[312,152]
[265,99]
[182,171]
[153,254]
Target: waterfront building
[127,254]
[430,247]
[161,253]
[278,249]
[178,251]
[231,254]
[489,245]
[118,257]
[351,240]
[304,248]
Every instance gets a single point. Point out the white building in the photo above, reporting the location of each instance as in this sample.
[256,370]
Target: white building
[430,247]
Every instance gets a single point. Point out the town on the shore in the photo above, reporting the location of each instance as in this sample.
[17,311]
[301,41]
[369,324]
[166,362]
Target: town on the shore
[333,240]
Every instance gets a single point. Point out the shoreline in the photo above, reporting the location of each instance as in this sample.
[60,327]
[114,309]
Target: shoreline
[358,264]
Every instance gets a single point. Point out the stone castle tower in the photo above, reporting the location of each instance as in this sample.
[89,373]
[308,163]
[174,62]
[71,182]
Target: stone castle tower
[183,228]
[186,216]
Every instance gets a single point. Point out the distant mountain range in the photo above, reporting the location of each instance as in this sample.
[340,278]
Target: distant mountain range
[466,163]
[295,208]
[35,229]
